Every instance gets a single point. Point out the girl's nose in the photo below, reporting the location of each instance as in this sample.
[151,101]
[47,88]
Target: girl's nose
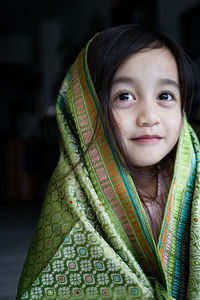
[147,116]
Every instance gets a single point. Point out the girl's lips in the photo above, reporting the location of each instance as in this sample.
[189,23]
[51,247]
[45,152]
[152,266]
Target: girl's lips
[147,139]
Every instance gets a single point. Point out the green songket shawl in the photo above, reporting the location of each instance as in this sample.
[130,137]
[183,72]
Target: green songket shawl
[93,240]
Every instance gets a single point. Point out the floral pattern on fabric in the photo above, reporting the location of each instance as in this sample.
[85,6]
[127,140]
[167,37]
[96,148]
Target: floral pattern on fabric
[94,277]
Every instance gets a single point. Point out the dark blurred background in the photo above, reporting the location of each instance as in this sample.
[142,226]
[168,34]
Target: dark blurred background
[38,42]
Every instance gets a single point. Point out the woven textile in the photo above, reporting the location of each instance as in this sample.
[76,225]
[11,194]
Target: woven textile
[93,240]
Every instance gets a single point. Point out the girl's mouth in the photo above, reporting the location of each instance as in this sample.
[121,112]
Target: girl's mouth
[147,139]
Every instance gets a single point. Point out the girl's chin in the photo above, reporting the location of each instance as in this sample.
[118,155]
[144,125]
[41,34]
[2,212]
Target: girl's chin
[148,165]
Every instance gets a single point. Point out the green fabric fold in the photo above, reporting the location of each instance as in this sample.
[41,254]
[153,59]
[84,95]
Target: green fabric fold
[93,240]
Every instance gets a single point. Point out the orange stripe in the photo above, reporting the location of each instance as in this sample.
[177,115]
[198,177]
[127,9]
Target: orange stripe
[167,219]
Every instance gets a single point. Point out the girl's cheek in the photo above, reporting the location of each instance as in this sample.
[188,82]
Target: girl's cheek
[117,117]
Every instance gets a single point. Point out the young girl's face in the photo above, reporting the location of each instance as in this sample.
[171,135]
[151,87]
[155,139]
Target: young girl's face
[146,105]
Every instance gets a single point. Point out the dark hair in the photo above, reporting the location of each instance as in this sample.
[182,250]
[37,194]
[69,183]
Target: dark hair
[110,48]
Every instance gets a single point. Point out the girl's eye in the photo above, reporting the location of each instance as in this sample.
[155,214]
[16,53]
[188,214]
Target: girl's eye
[125,97]
[165,97]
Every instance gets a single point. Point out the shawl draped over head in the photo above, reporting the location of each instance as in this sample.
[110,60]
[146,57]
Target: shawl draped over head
[93,240]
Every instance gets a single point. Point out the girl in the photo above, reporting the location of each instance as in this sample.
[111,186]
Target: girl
[121,216]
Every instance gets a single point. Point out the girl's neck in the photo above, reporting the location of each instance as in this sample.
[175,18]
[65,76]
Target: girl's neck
[150,171]
[145,180]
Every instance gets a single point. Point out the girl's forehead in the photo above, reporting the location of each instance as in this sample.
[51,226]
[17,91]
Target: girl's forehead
[151,56]
[148,64]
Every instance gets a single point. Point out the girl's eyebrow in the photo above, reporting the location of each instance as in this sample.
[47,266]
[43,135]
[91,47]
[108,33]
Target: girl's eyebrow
[124,79]
[131,80]
[167,81]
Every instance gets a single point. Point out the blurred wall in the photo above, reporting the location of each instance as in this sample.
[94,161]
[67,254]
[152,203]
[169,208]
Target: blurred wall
[169,13]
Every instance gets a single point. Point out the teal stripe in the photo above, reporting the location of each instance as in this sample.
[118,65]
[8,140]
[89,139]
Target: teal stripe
[183,224]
